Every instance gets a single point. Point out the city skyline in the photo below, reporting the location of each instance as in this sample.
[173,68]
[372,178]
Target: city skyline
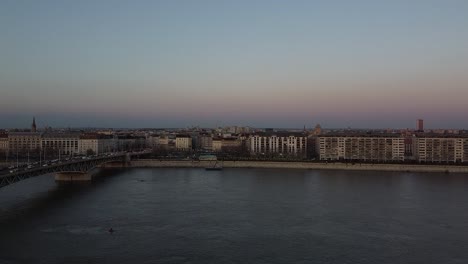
[253,63]
[419,127]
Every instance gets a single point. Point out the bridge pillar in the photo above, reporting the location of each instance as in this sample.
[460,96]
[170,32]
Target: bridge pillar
[71,176]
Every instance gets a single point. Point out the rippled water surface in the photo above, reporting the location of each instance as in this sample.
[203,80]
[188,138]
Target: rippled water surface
[237,216]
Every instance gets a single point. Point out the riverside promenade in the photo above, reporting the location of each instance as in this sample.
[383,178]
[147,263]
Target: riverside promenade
[154,163]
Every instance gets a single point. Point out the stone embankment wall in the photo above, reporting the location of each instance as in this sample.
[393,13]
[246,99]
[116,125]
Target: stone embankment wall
[292,165]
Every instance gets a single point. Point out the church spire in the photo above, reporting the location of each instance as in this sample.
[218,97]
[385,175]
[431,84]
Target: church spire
[33,126]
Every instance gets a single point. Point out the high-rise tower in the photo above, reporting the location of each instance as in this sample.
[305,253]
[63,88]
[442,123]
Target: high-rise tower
[420,125]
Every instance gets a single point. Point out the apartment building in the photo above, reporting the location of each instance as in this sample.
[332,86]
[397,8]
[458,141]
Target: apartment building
[24,141]
[231,144]
[217,144]
[382,148]
[126,142]
[62,143]
[153,141]
[97,143]
[183,142]
[4,146]
[441,149]
[281,143]
[206,142]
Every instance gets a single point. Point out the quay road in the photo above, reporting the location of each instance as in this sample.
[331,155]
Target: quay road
[76,164]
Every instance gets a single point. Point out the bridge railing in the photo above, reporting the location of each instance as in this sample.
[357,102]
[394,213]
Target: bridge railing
[73,165]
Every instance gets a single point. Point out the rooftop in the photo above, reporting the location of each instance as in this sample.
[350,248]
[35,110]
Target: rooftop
[15,134]
[279,134]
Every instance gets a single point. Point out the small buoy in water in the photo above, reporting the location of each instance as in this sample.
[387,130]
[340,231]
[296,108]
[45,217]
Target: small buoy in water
[111,230]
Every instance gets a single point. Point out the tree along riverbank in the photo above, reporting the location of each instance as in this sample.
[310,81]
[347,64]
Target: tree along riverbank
[154,163]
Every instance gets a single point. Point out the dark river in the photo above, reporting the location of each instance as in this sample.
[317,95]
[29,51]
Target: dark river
[237,216]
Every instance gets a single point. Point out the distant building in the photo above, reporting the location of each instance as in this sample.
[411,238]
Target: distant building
[279,143]
[153,141]
[231,144]
[236,129]
[195,135]
[140,142]
[97,143]
[24,141]
[311,147]
[442,149]
[206,142]
[217,144]
[163,142]
[4,144]
[409,147]
[361,147]
[420,125]
[108,132]
[61,143]
[183,142]
[127,142]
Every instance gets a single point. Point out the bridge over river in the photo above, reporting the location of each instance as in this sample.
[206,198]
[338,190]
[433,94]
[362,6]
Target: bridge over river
[71,170]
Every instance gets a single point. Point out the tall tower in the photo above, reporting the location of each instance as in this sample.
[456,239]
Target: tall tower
[420,125]
[33,126]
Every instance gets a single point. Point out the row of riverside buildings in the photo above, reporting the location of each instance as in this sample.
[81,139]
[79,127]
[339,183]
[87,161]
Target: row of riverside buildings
[326,147]
[348,146]
[291,144]
[356,146]
[421,147]
[65,143]
[53,143]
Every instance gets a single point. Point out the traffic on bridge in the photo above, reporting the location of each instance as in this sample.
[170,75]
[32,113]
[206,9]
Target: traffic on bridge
[78,164]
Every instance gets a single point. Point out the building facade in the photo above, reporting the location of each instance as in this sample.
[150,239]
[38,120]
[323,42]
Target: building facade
[61,143]
[153,141]
[361,148]
[278,144]
[22,142]
[420,125]
[183,143]
[206,142]
[232,144]
[97,144]
[217,144]
[126,142]
[4,146]
[442,149]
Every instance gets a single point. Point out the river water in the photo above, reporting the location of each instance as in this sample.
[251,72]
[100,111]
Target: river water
[237,216]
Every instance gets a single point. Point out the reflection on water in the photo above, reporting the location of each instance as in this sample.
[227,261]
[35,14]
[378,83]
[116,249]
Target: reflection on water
[237,216]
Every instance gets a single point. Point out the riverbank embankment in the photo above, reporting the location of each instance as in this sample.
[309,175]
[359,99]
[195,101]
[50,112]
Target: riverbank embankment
[154,163]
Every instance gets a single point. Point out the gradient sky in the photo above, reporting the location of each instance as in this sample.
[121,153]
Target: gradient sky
[371,64]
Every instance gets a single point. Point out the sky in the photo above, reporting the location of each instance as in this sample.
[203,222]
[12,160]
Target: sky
[176,63]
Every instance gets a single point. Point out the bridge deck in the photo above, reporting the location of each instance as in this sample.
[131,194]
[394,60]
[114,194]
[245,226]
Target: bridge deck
[79,165]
